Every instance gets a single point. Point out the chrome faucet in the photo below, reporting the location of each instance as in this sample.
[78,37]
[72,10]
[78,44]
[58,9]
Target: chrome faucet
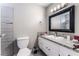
[55,33]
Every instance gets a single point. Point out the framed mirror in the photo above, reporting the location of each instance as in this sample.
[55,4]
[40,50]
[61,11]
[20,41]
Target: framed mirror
[63,21]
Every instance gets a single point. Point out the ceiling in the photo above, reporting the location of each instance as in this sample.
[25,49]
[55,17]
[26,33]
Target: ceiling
[40,4]
[43,4]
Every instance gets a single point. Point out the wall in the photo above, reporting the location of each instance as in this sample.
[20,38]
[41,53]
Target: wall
[27,19]
[76,15]
[0,31]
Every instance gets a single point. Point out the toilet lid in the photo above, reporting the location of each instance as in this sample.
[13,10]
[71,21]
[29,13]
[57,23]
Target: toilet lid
[24,52]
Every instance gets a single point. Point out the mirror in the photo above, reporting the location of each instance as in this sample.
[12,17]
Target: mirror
[62,21]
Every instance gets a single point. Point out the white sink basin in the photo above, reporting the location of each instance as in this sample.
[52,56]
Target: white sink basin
[49,36]
[59,38]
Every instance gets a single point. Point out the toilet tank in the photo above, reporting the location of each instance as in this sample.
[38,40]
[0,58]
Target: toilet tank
[22,42]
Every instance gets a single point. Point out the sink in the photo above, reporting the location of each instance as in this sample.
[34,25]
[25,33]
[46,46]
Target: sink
[59,38]
[52,37]
[49,36]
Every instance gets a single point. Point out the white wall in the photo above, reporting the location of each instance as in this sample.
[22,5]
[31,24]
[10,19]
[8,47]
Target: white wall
[76,15]
[0,31]
[77,18]
[27,19]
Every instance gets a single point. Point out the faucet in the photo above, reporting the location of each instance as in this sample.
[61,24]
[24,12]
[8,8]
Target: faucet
[63,35]
[55,33]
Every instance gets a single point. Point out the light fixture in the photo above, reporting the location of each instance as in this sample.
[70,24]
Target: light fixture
[55,9]
[58,6]
[63,4]
[51,10]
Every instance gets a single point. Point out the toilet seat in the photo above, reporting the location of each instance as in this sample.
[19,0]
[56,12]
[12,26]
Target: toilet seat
[24,52]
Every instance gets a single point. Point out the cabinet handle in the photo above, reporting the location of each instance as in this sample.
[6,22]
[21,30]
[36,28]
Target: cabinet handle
[48,49]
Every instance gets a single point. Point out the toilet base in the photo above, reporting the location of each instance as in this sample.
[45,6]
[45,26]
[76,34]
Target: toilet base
[24,52]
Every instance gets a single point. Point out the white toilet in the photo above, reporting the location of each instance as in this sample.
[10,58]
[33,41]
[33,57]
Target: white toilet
[22,43]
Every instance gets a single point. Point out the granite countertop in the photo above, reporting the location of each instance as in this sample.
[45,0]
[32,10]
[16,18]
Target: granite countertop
[61,41]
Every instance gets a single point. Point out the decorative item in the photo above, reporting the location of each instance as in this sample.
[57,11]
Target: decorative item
[76,38]
[76,41]
[76,46]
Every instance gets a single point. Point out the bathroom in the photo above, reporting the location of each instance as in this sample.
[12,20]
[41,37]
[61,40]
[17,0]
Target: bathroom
[30,21]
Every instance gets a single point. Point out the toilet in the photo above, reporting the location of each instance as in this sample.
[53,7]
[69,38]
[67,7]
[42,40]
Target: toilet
[22,43]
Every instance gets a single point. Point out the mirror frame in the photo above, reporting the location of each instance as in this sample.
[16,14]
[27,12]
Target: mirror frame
[72,20]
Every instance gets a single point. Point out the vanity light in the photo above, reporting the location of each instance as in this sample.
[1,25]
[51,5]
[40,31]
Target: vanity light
[55,9]
[63,4]
[58,6]
[51,10]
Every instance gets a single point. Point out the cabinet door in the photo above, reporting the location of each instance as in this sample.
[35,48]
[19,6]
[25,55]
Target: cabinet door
[46,47]
[42,45]
[63,51]
[50,48]
[72,52]
[40,42]
[67,52]
[53,48]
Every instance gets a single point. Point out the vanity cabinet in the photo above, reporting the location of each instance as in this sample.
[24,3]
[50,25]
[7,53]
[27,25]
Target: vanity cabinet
[53,49]
[48,47]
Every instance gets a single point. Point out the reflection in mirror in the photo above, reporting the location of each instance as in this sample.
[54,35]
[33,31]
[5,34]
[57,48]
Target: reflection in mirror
[61,21]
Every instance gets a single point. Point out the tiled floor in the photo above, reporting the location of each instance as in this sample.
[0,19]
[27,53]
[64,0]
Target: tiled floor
[39,53]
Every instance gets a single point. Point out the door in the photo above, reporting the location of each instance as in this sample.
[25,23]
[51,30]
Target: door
[7,31]
[52,48]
